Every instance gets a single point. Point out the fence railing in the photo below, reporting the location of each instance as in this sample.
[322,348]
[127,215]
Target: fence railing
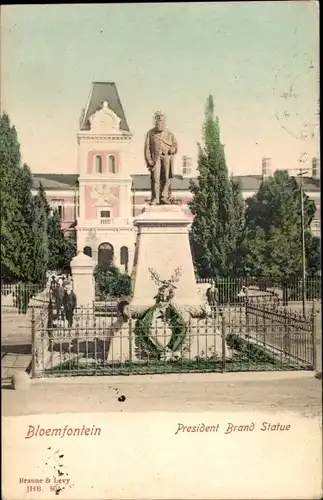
[282,330]
[230,290]
[23,295]
[247,337]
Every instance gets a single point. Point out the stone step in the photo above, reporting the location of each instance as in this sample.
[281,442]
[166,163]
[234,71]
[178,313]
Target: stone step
[11,363]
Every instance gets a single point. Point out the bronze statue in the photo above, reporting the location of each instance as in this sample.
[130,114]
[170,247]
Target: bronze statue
[160,148]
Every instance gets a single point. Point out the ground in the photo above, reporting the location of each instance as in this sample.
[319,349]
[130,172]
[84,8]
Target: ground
[296,392]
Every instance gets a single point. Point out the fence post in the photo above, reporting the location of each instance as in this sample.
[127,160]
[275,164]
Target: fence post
[247,315]
[223,339]
[130,344]
[33,344]
[286,337]
[317,337]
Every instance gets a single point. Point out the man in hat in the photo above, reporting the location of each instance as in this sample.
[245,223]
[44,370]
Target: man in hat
[69,303]
[160,148]
[59,293]
[212,295]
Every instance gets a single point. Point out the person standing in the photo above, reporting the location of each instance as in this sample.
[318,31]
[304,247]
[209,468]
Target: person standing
[52,288]
[69,303]
[212,295]
[59,299]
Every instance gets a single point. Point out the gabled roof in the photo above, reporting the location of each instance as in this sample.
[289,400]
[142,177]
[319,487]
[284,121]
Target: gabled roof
[100,92]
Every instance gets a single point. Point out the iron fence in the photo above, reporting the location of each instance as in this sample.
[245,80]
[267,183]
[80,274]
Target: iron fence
[22,295]
[234,338]
[282,330]
[231,290]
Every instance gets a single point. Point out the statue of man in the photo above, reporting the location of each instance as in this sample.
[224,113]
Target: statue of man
[160,148]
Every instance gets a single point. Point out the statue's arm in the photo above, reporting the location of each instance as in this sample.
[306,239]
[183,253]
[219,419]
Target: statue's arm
[148,157]
[174,145]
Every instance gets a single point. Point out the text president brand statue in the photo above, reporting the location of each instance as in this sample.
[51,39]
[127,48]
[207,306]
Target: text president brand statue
[160,148]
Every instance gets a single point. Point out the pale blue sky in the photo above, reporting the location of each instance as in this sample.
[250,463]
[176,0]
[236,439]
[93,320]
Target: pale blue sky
[170,57]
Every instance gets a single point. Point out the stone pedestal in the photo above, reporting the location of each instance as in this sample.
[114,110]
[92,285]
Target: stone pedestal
[162,246]
[83,281]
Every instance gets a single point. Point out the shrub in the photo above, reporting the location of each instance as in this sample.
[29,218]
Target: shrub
[111,282]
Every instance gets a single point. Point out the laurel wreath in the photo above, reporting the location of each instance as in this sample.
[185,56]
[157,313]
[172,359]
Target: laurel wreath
[142,331]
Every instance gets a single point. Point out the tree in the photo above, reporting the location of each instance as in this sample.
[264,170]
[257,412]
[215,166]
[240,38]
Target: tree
[216,205]
[272,244]
[314,256]
[56,241]
[17,209]
[111,282]
[61,249]
[40,233]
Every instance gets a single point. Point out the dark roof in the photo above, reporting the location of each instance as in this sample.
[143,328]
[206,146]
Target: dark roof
[311,184]
[55,181]
[100,92]
[141,182]
[248,182]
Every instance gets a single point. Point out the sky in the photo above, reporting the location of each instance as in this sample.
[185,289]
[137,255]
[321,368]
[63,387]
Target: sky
[259,60]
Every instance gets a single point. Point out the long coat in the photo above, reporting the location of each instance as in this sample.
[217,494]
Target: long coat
[69,302]
[158,143]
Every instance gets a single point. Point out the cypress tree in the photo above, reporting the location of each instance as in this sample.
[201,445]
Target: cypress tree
[215,228]
[40,233]
[15,206]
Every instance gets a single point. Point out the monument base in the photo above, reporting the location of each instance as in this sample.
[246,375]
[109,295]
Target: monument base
[163,262]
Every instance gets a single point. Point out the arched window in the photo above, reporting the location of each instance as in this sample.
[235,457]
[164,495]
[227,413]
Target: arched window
[105,255]
[98,164]
[124,257]
[112,164]
[87,251]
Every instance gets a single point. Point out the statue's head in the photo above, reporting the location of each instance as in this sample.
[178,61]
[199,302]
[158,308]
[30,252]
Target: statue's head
[160,121]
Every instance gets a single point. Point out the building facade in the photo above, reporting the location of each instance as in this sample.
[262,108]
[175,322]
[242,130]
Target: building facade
[101,201]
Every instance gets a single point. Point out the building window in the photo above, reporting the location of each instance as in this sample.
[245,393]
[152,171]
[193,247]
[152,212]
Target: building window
[112,165]
[98,165]
[316,227]
[187,165]
[105,214]
[124,257]
[60,209]
[87,251]
[105,255]
[58,205]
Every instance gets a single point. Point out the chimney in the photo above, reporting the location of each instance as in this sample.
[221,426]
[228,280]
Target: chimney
[315,168]
[186,165]
[266,168]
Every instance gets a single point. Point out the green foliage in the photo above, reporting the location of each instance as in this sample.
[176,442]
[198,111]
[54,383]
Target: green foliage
[142,331]
[314,256]
[142,335]
[253,352]
[111,282]
[179,329]
[216,205]
[30,240]
[61,248]
[272,244]
[40,230]
[18,210]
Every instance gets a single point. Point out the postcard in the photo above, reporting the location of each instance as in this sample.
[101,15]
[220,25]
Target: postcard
[161,251]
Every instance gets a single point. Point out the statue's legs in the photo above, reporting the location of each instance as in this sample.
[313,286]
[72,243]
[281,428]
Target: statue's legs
[165,178]
[155,183]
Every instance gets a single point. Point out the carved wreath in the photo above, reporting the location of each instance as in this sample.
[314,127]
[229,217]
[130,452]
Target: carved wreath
[166,288]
